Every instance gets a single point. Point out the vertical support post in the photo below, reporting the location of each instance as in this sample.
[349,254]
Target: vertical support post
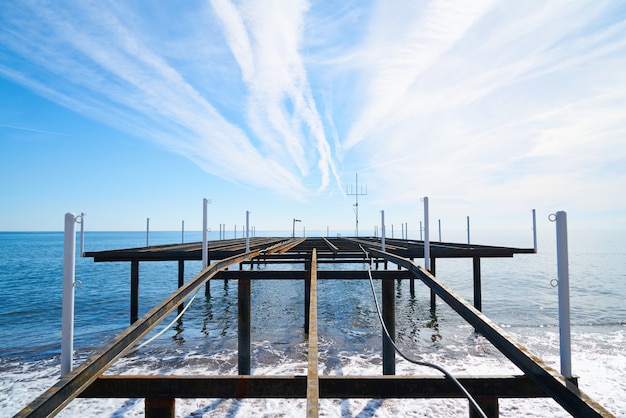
[535,230]
[426,236]
[389,318]
[478,303]
[439,222]
[490,406]
[205,241]
[147,231]
[160,407]
[82,234]
[181,280]
[382,228]
[69,267]
[564,302]
[243,319]
[468,231]
[391,231]
[205,244]
[247,231]
[433,295]
[182,233]
[134,291]
[307,295]
[412,284]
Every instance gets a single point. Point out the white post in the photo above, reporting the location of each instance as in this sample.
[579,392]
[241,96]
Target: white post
[247,231]
[147,231]
[382,228]
[534,230]
[468,231]
[205,246]
[426,236]
[69,265]
[182,233]
[564,306]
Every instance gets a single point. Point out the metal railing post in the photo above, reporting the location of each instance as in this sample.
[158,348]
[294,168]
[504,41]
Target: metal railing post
[69,267]
[564,301]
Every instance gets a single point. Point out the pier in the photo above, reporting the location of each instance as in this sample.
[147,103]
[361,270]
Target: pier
[355,258]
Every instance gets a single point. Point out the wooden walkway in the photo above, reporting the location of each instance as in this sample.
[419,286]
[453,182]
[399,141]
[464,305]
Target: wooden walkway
[160,392]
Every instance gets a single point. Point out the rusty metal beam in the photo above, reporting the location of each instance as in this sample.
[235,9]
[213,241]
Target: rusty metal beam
[321,275]
[295,387]
[560,389]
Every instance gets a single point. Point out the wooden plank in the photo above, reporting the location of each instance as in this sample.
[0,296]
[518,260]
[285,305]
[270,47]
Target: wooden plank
[560,389]
[332,246]
[312,383]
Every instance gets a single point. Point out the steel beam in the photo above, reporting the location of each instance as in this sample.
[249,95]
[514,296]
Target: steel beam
[295,387]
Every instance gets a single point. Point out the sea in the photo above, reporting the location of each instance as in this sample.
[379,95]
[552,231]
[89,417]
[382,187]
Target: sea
[519,295]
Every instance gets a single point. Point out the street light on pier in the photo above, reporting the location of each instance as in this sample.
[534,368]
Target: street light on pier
[293,229]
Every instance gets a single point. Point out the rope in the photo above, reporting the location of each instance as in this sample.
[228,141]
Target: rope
[140,346]
[469,397]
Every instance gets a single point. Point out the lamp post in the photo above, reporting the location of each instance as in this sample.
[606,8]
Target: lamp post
[293,229]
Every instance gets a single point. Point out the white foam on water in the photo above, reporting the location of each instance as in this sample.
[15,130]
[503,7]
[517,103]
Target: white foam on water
[598,359]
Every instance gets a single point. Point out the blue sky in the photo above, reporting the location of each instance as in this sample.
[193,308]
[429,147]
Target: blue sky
[131,109]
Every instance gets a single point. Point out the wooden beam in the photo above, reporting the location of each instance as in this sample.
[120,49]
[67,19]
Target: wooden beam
[312,382]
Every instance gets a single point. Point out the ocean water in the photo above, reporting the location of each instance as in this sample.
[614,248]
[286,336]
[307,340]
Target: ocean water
[517,295]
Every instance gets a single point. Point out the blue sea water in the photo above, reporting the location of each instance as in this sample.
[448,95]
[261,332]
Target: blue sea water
[517,295]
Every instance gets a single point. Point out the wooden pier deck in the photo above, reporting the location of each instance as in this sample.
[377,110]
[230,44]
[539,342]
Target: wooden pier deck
[160,392]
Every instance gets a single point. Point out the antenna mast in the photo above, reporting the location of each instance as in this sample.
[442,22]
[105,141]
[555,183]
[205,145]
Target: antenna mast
[356,195]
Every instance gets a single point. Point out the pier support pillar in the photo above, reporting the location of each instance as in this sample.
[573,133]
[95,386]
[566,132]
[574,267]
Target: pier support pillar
[433,295]
[134,291]
[478,304]
[489,405]
[389,318]
[243,318]
[181,281]
[412,284]
[160,407]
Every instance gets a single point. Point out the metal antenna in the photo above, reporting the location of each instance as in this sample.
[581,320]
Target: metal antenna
[356,195]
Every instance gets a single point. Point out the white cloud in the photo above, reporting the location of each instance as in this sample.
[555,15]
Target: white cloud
[467,101]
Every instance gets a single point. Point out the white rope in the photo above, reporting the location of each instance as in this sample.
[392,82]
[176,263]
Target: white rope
[140,346]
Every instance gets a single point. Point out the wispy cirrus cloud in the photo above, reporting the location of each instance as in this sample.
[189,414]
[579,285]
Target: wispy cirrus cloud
[457,99]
